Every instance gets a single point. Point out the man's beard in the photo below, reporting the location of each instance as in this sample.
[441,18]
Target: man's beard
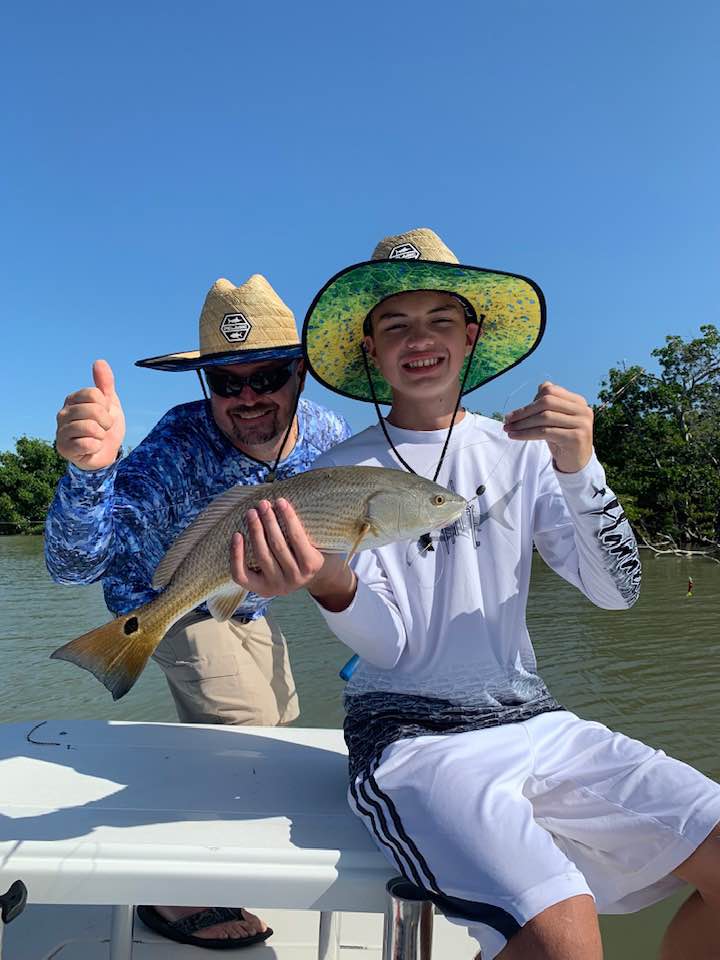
[251,433]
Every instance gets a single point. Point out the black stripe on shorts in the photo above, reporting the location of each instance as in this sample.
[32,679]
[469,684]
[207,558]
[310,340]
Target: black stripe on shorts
[476,911]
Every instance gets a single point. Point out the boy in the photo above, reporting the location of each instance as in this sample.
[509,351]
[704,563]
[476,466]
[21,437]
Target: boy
[518,818]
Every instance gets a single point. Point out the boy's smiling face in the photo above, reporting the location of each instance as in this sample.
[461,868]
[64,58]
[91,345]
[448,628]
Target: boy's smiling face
[419,342]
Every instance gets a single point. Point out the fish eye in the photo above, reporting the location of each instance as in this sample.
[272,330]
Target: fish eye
[439,500]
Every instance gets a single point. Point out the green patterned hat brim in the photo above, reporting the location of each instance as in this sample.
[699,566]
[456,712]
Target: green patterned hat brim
[513,307]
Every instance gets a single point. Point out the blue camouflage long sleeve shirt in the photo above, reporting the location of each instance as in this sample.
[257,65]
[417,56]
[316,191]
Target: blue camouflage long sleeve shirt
[117,523]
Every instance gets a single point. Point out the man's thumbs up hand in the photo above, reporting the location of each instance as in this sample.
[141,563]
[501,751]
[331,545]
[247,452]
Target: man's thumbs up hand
[91,424]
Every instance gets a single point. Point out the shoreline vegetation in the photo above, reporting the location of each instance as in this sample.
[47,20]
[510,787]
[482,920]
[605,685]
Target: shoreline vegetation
[657,435]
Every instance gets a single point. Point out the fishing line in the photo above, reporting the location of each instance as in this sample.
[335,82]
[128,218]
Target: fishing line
[482,488]
[208,498]
[429,544]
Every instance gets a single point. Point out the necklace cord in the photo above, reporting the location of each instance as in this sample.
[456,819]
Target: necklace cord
[381,419]
[271,475]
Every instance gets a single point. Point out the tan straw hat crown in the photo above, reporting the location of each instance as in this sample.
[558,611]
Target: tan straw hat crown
[247,324]
[418,244]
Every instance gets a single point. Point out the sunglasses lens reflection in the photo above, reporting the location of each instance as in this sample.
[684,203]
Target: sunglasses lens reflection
[264,381]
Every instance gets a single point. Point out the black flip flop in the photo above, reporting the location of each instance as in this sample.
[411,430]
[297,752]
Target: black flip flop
[181,931]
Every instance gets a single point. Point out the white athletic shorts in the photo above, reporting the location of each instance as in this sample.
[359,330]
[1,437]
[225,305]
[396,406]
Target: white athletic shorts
[499,824]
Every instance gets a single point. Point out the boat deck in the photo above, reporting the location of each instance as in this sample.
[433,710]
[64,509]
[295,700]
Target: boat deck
[95,815]
[46,932]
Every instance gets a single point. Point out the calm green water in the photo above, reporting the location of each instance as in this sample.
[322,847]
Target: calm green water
[651,672]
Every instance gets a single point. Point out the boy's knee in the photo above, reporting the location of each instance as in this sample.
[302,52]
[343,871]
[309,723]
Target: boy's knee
[567,930]
[702,868]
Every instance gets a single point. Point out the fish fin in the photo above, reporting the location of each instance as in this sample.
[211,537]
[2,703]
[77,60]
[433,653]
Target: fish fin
[365,528]
[202,524]
[115,653]
[223,604]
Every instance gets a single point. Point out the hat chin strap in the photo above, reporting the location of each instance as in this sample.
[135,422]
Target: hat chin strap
[425,544]
[381,419]
[202,384]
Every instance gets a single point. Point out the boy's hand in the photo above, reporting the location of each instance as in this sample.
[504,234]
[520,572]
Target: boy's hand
[563,419]
[286,562]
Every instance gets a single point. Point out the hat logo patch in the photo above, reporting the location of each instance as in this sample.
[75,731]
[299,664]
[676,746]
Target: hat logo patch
[405,251]
[235,327]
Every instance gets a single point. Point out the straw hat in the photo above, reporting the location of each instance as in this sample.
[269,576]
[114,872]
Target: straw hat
[242,324]
[510,307]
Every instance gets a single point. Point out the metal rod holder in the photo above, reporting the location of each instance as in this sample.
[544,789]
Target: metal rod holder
[329,937]
[408,922]
[121,931]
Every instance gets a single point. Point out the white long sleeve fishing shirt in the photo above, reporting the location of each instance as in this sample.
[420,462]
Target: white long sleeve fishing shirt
[441,633]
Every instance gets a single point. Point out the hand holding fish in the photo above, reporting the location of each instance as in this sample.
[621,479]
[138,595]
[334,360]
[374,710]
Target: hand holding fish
[91,424]
[283,561]
[561,418]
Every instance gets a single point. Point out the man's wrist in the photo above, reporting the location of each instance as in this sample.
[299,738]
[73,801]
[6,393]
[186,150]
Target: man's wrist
[92,477]
[79,465]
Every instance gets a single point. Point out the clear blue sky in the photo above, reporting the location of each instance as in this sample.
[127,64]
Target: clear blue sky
[151,147]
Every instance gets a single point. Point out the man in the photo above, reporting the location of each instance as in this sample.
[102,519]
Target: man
[113,519]
[519,819]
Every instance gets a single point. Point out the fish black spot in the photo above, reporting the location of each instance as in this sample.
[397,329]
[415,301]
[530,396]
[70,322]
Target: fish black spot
[131,626]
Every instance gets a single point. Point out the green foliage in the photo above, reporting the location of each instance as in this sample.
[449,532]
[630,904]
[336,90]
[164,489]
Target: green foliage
[495,415]
[659,439]
[28,478]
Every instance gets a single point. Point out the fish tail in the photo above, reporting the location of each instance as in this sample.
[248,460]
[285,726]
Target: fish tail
[117,652]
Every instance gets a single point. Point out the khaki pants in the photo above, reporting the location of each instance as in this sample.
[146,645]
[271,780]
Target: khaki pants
[228,672]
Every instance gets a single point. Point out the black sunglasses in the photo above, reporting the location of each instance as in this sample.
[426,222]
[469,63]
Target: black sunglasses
[264,381]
